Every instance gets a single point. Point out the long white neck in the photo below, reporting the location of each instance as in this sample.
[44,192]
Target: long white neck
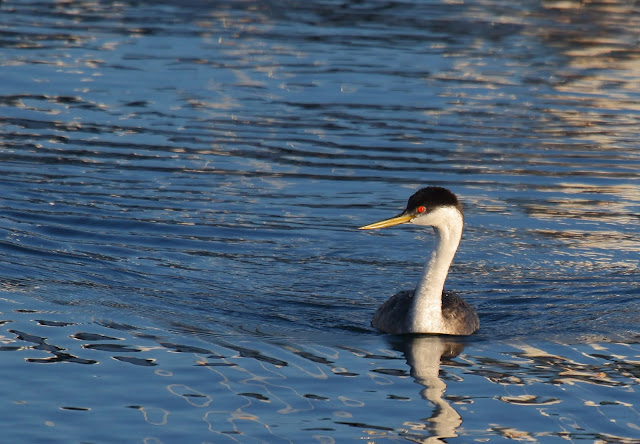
[426,311]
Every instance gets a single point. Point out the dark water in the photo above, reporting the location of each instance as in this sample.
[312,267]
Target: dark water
[186,180]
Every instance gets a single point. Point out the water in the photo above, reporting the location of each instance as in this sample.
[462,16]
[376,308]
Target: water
[181,184]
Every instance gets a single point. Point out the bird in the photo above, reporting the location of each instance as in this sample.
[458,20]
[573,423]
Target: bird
[429,308]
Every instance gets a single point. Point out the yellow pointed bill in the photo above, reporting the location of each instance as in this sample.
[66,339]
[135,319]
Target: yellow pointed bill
[401,219]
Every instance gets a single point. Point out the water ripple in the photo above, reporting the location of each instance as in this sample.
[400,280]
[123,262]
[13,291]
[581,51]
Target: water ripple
[208,166]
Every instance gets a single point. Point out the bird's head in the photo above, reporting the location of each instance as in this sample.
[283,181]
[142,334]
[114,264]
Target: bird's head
[430,206]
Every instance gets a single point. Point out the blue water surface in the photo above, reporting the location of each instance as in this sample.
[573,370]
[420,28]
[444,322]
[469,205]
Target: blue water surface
[180,190]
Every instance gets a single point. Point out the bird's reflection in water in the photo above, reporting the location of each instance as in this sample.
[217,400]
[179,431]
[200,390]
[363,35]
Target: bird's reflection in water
[424,354]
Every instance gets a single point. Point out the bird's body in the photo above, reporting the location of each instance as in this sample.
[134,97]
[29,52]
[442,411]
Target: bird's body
[428,308]
[459,317]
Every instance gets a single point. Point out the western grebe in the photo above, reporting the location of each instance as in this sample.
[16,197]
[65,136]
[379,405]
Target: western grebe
[428,308]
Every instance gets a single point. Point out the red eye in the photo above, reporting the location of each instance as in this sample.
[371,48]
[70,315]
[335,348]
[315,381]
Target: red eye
[421,209]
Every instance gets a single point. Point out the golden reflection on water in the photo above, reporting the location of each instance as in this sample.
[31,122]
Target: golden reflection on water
[602,67]
[596,219]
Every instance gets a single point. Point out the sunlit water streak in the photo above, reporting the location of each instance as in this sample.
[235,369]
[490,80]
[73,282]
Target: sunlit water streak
[201,171]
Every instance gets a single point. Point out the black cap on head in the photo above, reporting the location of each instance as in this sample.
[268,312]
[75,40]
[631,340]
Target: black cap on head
[430,198]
